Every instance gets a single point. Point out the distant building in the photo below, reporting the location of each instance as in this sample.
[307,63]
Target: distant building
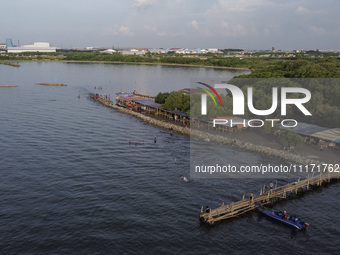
[212,50]
[136,51]
[140,49]
[2,46]
[108,51]
[273,49]
[36,47]
[176,50]
[158,50]
[9,43]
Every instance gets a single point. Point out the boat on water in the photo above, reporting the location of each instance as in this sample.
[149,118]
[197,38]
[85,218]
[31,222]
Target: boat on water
[284,218]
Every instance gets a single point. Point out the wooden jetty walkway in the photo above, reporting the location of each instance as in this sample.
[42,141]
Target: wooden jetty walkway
[210,216]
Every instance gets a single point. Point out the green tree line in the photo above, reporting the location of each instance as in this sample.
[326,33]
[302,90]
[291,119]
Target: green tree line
[323,105]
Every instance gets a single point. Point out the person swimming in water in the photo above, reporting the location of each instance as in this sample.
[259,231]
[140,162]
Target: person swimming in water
[184,178]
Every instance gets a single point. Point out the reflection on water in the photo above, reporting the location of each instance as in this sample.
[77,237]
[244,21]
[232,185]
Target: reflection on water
[71,183]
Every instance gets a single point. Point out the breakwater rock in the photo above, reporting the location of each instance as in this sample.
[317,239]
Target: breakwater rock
[280,154]
[148,119]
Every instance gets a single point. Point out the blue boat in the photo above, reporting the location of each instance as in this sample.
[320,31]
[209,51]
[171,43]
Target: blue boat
[284,218]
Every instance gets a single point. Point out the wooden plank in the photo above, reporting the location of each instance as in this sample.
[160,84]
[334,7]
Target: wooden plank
[240,207]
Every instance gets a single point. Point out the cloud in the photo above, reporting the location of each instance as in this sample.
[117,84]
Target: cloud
[150,28]
[142,4]
[266,32]
[162,33]
[305,11]
[239,6]
[123,30]
[193,24]
[179,33]
[315,30]
[233,30]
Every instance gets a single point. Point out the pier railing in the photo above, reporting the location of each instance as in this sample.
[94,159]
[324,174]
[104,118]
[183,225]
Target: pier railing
[234,209]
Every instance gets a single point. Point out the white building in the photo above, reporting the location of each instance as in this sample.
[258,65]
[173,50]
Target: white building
[135,51]
[36,47]
[212,50]
[109,51]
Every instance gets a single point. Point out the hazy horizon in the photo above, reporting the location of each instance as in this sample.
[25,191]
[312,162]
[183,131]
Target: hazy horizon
[246,24]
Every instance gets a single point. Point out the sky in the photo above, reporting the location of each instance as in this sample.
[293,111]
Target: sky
[246,24]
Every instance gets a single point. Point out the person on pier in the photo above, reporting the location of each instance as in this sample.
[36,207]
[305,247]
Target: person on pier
[271,186]
[251,196]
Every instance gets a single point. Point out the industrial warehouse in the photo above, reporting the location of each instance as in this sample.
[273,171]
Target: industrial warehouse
[35,47]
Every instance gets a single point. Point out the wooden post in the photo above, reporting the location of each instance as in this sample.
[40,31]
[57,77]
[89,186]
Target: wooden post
[320,179]
[243,196]
[307,183]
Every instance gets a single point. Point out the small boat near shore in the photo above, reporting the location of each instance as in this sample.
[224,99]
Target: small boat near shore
[284,218]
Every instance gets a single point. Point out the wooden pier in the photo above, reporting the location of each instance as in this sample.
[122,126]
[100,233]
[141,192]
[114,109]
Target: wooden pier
[210,216]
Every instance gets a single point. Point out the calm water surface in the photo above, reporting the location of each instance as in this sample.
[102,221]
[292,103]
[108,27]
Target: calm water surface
[70,183]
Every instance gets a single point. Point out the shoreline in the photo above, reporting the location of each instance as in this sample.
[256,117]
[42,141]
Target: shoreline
[139,63]
[246,146]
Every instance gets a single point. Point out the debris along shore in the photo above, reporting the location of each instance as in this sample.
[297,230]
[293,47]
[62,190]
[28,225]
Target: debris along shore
[10,64]
[280,154]
[51,84]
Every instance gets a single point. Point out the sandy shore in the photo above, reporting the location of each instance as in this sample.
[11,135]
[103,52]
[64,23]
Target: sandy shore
[8,86]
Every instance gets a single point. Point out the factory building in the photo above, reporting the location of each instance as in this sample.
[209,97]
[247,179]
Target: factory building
[36,47]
